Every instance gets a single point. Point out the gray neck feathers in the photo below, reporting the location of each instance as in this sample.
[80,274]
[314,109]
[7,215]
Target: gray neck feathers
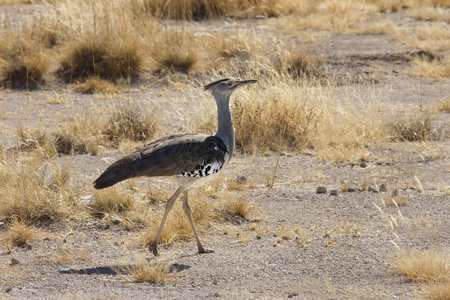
[225,129]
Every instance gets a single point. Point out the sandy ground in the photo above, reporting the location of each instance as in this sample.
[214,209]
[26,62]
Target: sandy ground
[350,263]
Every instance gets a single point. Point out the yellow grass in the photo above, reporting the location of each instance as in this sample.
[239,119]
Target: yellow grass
[18,234]
[436,69]
[147,271]
[423,265]
[28,195]
[23,62]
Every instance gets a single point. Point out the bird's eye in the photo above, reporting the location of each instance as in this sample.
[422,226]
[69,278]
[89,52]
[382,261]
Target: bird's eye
[229,83]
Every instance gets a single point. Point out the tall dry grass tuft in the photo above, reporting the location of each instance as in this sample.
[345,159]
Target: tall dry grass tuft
[437,69]
[106,57]
[18,234]
[111,200]
[79,134]
[145,271]
[416,127]
[129,124]
[423,265]
[23,62]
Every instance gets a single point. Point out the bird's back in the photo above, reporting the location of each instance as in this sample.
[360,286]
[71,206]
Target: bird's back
[185,155]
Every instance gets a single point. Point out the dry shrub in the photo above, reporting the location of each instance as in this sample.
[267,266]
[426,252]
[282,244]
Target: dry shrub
[128,124]
[416,127]
[100,56]
[422,265]
[145,271]
[32,192]
[23,62]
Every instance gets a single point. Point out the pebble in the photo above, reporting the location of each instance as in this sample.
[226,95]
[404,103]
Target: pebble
[372,189]
[383,188]
[321,190]
[333,192]
[395,193]
[363,164]
[351,190]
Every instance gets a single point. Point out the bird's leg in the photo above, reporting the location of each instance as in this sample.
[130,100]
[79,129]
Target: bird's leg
[187,210]
[169,205]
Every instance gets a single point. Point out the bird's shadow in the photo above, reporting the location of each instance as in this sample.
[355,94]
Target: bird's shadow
[117,270]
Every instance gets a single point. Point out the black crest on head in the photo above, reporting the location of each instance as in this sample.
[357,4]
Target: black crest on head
[207,87]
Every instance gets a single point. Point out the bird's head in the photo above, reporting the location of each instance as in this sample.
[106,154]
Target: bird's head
[225,87]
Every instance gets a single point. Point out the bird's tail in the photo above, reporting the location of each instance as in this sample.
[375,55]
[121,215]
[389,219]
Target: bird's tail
[117,172]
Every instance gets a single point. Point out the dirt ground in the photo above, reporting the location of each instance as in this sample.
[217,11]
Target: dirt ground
[351,263]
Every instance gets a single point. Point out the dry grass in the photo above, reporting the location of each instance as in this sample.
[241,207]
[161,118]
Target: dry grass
[438,291]
[237,206]
[443,106]
[144,271]
[100,56]
[96,85]
[197,9]
[412,127]
[18,234]
[423,265]
[129,124]
[23,62]
[111,200]
[436,69]
[32,191]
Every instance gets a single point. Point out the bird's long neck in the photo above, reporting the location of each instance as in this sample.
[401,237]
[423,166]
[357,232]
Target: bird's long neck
[225,129]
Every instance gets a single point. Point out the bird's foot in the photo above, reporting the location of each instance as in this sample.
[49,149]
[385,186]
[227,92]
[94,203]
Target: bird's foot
[154,248]
[204,250]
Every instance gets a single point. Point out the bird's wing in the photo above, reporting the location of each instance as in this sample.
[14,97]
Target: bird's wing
[185,154]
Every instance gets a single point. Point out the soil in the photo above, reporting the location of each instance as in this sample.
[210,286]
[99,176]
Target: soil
[352,262]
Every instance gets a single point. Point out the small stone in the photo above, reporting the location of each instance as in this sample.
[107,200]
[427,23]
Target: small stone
[383,187]
[372,189]
[321,190]
[351,190]
[363,164]
[14,262]
[8,289]
[333,192]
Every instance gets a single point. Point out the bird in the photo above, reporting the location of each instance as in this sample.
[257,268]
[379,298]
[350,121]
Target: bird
[189,158]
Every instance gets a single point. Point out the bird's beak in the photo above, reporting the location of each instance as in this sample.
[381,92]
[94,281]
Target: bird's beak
[245,82]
